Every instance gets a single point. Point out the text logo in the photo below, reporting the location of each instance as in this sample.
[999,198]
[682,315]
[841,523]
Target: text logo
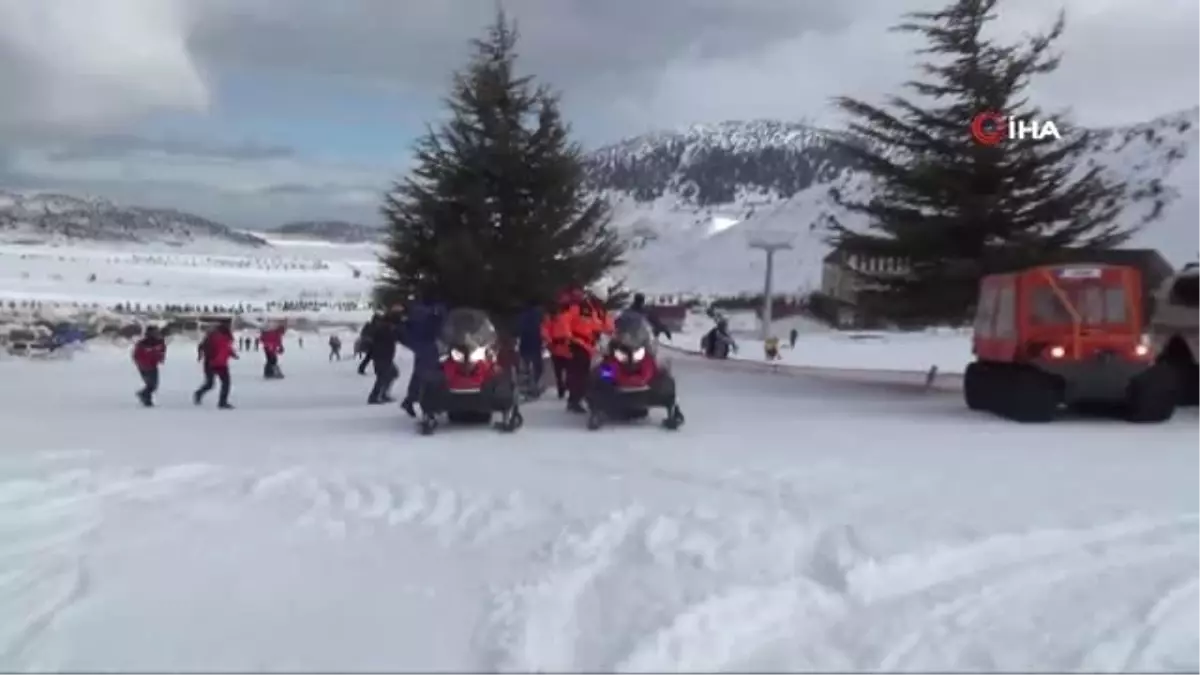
[992,128]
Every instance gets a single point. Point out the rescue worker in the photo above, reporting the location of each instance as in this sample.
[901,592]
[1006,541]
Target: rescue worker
[556,334]
[419,333]
[272,346]
[335,348]
[364,342]
[215,351]
[586,326]
[148,355]
[383,338]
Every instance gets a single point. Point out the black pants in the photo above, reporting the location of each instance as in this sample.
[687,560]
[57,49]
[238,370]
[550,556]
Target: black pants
[560,364]
[386,373]
[271,368]
[413,394]
[150,380]
[362,367]
[335,354]
[536,368]
[579,371]
[211,376]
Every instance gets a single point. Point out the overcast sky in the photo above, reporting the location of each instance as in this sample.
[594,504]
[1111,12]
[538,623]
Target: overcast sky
[259,111]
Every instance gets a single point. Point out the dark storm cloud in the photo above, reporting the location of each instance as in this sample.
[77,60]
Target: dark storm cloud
[416,44]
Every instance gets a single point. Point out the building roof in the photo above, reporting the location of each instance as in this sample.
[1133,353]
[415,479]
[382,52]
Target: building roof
[1151,263]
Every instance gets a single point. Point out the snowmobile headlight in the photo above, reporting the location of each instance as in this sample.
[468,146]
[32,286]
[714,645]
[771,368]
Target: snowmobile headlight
[621,355]
[458,355]
[638,354]
[479,354]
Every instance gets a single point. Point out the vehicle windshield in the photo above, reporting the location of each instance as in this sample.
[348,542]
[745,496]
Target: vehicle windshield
[1096,305]
[468,329]
[631,330]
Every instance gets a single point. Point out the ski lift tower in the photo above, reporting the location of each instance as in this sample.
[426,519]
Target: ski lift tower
[769,241]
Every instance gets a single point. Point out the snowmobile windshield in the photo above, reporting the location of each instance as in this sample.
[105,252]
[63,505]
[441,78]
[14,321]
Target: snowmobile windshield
[468,329]
[632,330]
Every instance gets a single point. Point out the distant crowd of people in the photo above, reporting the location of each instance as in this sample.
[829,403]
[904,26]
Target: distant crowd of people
[570,332]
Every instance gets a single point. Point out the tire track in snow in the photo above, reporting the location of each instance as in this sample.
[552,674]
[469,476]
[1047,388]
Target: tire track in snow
[603,586]
[45,527]
[952,607]
[344,504]
[536,625]
[1166,608]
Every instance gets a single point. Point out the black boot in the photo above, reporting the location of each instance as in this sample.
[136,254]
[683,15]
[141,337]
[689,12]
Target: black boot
[576,407]
[407,406]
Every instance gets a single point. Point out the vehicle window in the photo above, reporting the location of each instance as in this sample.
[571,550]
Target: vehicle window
[1096,306]
[1185,291]
[1046,309]
[1116,305]
[1006,313]
[985,312]
[1089,302]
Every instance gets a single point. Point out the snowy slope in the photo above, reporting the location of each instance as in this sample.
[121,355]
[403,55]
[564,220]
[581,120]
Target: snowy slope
[789,527]
[64,220]
[689,200]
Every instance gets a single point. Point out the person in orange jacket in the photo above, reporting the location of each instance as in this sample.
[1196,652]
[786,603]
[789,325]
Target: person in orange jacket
[587,324]
[556,335]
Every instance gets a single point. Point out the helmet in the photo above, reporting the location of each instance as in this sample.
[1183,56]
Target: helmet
[632,331]
[468,331]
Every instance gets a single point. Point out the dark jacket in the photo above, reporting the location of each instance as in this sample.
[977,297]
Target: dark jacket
[656,325]
[529,332]
[420,332]
[381,340]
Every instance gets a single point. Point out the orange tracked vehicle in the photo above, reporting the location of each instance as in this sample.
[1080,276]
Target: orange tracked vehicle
[1065,335]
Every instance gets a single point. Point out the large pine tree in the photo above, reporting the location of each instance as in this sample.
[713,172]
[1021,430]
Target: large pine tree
[954,209]
[495,214]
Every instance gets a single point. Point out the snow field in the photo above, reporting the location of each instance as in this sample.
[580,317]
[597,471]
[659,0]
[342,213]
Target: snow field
[313,273]
[791,525]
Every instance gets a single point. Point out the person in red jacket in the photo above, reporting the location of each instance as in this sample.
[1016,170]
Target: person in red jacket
[148,354]
[272,345]
[215,352]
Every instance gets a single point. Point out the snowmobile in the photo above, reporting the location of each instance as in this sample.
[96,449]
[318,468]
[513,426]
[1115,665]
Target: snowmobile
[469,386]
[629,380]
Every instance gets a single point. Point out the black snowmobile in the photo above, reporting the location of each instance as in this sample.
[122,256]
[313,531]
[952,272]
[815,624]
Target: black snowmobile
[629,380]
[469,386]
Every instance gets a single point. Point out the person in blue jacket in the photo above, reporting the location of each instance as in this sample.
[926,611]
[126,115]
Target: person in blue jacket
[419,333]
[531,349]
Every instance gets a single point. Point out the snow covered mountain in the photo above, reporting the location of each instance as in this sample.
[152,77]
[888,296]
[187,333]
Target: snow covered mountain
[336,231]
[689,200]
[57,219]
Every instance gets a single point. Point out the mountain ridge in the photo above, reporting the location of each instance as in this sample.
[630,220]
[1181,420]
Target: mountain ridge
[686,200]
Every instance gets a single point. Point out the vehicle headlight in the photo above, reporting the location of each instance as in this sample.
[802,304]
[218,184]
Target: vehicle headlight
[479,354]
[1057,352]
[458,355]
[639,354]
[621,355]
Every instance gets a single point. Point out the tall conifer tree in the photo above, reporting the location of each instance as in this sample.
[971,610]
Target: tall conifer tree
[495,214]
[951,208]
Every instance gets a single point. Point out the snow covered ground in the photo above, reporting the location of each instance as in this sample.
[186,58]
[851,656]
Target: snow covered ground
[110,275]
[949,350]
[794,524]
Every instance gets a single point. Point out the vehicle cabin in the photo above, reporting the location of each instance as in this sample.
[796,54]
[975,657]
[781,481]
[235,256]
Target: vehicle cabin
[1060,312]
[1065,335]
